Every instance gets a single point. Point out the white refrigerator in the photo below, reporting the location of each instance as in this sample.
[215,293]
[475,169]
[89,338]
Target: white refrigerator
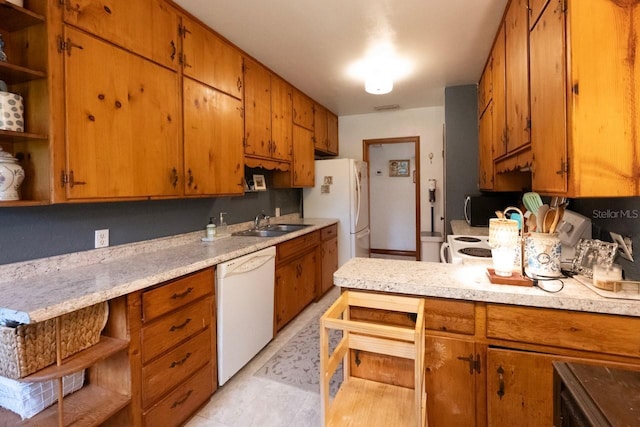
[341,191]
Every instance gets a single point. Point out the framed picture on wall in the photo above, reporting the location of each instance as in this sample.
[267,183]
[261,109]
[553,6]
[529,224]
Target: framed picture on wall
[399,168]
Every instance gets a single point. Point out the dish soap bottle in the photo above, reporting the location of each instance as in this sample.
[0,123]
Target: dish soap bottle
[211,229]
[222,226]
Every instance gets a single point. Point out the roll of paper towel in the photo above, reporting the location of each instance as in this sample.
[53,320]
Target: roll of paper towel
[11,112]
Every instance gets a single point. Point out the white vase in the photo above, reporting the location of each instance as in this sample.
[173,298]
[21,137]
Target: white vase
[11,176]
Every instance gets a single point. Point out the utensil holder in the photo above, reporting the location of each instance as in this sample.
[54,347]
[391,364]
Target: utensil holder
[542,255]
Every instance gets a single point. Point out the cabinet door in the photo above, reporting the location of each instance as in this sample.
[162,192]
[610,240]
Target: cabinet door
[294,287]
[329,254]
[451,382]
[485,86]
[520,387]
[332,133]
[549,102]
[122,123]
[499,100]
[257,116]
[281,119]
[210,60]
[303,166]
[302,110]
[485,167]
[320,128]
[517,68]
[535,10]
[149,28]
[214,162]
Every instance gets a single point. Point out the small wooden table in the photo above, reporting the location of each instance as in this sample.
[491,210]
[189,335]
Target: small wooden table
[591,395]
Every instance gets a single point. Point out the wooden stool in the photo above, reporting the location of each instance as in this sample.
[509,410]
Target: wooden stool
[361,402]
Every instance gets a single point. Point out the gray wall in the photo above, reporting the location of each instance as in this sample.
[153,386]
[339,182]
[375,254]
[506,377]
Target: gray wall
[461,149]
[36,232]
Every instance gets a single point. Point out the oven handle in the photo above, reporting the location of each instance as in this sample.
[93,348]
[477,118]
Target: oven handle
[444,250]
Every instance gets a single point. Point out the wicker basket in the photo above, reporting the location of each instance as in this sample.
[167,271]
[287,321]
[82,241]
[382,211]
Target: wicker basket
[26,349]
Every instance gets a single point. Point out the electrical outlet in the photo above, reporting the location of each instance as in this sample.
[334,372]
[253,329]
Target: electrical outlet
[102,238]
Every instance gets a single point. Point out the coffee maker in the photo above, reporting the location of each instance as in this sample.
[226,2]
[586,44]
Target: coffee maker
[571,229]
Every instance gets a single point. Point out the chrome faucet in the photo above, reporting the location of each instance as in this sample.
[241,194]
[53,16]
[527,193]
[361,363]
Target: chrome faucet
[261,216]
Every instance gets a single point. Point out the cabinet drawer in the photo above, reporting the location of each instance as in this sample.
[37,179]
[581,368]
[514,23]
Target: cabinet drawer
[329,232]
[183,401]
[176,294]
[297,245]
[601,333]
[174,328]
[439,314]
[450,315]
[171,369]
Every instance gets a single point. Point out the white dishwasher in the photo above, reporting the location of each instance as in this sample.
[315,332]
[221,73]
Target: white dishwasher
[245,300]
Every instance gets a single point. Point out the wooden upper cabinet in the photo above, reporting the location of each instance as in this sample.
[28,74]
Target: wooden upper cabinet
[320,135]
[517,74]
[485,155]
[213,157]
[600,158]
[281,119]
[485,86]
[148,28]
[268,111]
[499,85]
[302,110]
[211,60]
[303,169]
[549,102]
[257,117]
[122,122]
[332,134]
[535,10]
[325,134]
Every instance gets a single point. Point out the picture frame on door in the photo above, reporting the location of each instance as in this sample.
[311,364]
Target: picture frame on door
[399,168]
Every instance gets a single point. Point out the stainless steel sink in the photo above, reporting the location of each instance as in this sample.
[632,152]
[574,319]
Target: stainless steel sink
[260,233]
[286,227]
[274,230]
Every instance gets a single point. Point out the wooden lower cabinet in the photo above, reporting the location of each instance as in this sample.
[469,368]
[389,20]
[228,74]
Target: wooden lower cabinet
[297,275]
[328,258]
[452,380]
[173,331]
[492,364]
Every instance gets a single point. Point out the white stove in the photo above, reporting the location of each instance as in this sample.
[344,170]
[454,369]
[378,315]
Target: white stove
[460,248]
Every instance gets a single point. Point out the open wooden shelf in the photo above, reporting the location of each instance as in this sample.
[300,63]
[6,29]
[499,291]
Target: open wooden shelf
[106,347]
[89,406]
[14,17]
[13,74]
[13,136]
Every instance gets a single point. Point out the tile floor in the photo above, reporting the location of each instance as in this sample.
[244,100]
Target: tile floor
[251,401]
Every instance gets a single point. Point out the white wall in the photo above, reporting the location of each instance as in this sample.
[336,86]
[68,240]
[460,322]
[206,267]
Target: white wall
[427,123]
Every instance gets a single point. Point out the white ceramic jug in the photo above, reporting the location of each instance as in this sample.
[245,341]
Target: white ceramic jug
[11,176]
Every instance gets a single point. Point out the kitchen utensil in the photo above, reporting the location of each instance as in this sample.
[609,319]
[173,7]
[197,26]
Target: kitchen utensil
[549,218]
[499,214]
[556,220]
[542,211]
[532,201]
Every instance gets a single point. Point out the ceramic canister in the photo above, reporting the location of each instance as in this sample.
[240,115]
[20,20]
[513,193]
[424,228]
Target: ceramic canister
[11,176]
[542,255]
[11,112]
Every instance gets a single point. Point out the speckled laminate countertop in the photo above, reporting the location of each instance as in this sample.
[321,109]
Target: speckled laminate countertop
[38,290]
[470,282]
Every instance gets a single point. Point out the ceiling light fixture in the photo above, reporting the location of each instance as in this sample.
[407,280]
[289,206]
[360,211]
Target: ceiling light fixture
[378,84]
